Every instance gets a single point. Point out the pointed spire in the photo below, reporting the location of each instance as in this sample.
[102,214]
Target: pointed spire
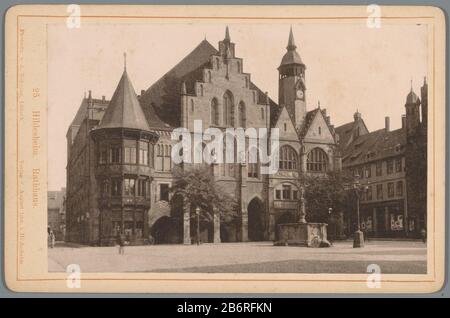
[291,56]
[227,35]
[412,97]
[291,43]
[424,80]
[124,61]
[124,109]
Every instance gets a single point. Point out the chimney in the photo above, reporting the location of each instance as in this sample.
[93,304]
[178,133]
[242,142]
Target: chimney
[90,95]
[403,121]
[386,123]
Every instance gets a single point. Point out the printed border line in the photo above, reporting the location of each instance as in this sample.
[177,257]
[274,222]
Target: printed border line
[223,18]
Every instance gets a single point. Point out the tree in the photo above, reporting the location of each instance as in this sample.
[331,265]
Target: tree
[197,188]
[326,191]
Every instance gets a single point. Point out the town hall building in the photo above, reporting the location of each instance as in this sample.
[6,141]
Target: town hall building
[120,169]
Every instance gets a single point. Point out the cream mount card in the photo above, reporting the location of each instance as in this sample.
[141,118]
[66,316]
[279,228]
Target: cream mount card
[345,196]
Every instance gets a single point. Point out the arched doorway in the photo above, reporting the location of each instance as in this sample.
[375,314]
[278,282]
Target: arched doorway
[164,231]
[256,220]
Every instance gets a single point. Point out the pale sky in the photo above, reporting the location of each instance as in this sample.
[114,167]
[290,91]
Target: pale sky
[349,66]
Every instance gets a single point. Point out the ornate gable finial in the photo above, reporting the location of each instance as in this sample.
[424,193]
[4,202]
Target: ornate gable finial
[227,35]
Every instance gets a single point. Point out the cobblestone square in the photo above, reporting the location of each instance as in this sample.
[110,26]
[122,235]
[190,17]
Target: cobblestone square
[400,257]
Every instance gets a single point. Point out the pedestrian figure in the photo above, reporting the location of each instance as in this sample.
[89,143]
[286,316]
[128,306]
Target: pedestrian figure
[121,242]
[52,239]
[423,234]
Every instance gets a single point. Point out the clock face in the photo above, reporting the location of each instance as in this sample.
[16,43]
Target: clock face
[300,93]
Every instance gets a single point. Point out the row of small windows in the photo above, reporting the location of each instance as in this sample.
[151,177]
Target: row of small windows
[228,111]
[133,153]
[392,165]
[126,187]
[394,189]
[129,154]
[287,192]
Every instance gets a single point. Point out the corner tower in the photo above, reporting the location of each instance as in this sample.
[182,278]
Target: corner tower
[412,106]
[291,84]
[123,167]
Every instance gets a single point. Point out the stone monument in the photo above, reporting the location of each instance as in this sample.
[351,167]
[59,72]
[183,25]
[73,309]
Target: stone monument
[302,233]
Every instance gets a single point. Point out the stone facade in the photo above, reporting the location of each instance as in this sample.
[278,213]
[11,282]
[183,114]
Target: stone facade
[393,166]
[208,85]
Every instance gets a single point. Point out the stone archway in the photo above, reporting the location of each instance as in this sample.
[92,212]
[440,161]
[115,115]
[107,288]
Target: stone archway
[256,222]
[164,231]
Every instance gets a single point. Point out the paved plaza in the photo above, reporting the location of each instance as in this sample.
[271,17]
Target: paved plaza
[252,257]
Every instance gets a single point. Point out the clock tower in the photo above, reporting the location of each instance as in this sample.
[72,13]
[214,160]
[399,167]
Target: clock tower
[291,85]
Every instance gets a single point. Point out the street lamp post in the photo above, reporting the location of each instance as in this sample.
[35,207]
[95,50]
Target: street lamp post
[330,211]
[197,213]
[358,239]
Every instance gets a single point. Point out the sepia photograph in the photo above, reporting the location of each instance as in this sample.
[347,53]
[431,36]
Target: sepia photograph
[350,106]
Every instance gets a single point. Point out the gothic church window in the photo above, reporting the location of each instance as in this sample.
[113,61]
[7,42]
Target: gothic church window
[228,109]
[317,160]
[288,158]
[214,112]
[242,118]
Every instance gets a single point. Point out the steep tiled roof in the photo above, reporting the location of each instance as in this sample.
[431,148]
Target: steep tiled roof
[309,117]
[374,146]
[291,56]
[164,95]
[97,104]
[347,131]
[124,110]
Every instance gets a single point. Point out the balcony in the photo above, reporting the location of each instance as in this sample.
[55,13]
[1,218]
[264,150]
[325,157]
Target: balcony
[285,204]
[124,200]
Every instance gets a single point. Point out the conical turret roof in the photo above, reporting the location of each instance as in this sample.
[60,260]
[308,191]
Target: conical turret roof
[124,110]
[291,56]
